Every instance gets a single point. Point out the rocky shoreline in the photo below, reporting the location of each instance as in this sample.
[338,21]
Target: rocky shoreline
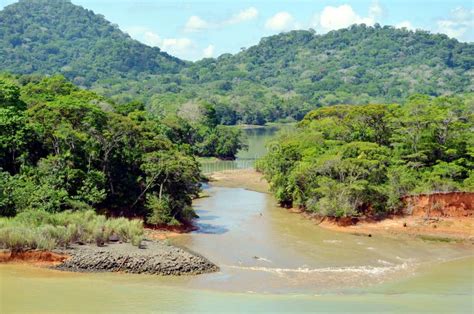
[155,258]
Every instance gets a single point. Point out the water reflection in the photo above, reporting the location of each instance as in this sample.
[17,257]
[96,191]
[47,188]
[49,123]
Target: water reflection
[210,229]
[256,139]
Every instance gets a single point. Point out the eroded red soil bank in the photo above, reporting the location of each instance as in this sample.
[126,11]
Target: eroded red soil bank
[33,257]
[453,204]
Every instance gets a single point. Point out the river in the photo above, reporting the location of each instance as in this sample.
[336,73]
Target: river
[270,261]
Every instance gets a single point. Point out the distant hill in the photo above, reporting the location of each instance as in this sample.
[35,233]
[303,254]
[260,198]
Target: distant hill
[56,36]
[284,76]
[359,64]
[378,61]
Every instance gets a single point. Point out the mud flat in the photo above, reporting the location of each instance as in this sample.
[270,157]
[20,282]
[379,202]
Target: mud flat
[435,229]
[154,258]
[248,179]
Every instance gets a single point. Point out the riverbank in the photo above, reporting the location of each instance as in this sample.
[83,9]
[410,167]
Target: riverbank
[242,178]
[439,229]
[36,258]
[436,228]
[154,257]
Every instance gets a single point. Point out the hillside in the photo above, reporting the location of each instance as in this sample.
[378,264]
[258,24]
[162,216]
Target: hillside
[288,74]
[56,36]
[282,77]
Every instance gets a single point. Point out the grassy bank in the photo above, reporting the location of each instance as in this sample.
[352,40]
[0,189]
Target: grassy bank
[46,231]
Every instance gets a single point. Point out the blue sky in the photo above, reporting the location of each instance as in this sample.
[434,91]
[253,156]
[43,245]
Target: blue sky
[195,29]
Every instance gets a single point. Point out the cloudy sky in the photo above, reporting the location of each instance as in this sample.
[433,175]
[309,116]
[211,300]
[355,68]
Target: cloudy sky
[196,29]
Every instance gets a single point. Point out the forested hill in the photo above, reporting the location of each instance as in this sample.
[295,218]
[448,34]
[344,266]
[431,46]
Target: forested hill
[377,61]
[56,36]
[284,76]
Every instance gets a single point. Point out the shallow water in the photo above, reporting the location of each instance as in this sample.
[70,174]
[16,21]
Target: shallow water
[446,288]
[271,261]
[263,248]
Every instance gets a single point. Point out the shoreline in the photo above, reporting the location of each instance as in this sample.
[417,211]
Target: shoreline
[248,179]
[156,258]
[444,229]
[161,258]
[448,229]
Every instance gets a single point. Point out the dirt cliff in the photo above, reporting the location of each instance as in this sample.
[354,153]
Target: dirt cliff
[453,204]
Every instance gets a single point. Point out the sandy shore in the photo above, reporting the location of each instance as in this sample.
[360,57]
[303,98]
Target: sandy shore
[437,229]
[242,178]
[441,229]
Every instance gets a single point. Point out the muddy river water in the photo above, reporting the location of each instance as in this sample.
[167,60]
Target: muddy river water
[271,261]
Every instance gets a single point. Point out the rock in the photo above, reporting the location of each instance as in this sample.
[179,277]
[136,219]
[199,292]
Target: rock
[114,238]
[156,258]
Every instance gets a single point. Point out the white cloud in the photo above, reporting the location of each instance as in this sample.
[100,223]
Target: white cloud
[208,52]
[375,10]
[195,24]
[244,15]
[152,39]
[135,30]
[181,47]
[459,24]
[405,24]
[280,22]
[177,46]
[336,17]
[332,18]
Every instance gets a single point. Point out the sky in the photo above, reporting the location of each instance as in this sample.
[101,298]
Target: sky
[193,30]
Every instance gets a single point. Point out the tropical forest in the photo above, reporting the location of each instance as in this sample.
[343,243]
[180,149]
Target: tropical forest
[223,157]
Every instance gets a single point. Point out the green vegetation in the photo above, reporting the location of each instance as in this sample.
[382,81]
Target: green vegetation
[126,147]
[199,130]
[359,160]
[37,229]
[55,36]
[63,148]
[281,78]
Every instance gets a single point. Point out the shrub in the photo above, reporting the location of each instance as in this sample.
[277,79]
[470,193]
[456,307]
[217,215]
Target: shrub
[160,210]
[13,238]
[46,231]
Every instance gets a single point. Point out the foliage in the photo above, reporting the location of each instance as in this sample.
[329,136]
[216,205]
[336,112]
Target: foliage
[204,137]
[281,78]
[55,36]
[37,229]
[63,148]
[351,160]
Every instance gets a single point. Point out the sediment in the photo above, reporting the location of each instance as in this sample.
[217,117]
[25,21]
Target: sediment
[155,258]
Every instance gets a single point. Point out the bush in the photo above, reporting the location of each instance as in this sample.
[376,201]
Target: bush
[46,231]
[161,213]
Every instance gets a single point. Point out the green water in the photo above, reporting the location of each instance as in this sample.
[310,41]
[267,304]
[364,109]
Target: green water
[271,261]
[25,289]
[255,139]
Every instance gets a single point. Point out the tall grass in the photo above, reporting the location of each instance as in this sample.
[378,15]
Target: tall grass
[46,231]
